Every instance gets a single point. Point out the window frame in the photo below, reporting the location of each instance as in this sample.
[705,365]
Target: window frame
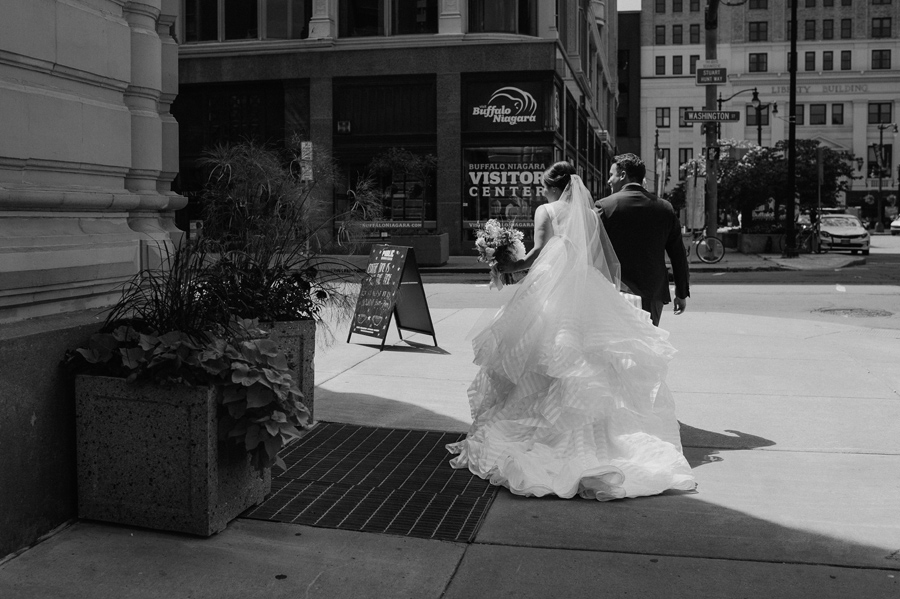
[758,31]
[846,29]
[846,60]
[759,60]
[694,33]
[883,62]
[885,116]
[682,124]
[881,27]
[827,29]
[809,30]
[693,59]
[663,117]
[828,60]
[835,119]
[659,37]
[677,35]
[660,65]
[818,112]
[809,61]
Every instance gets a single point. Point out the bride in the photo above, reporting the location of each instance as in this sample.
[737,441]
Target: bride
[571,395]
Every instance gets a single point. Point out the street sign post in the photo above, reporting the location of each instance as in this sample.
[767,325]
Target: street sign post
[711,116]
[714,76]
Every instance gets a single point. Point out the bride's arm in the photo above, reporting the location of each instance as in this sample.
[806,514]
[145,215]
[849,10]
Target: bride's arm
[543,231]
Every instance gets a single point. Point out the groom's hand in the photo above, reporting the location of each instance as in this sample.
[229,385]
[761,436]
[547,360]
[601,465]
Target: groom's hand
[680,304]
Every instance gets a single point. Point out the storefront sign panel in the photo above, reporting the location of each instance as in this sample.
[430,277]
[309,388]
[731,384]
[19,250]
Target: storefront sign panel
[509,107]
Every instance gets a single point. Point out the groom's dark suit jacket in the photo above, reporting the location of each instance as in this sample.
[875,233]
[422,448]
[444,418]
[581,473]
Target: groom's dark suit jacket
[643,228]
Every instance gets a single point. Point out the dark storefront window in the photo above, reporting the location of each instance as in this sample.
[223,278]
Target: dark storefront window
[384,142]
[503,16]
[201,18]
[240,20]
[288,19]
[360,18]
[503,183]
[282,19]
[414,16]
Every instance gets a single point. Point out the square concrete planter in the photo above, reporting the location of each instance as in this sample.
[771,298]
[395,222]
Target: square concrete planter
[148,455]
[297,340]
[760,243]
[431,250]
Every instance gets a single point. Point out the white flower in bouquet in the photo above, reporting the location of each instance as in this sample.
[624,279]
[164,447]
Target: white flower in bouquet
[498,245]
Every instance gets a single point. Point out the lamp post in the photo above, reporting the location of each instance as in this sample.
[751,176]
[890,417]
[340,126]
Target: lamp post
[754,102]
[879,160]
[759,109]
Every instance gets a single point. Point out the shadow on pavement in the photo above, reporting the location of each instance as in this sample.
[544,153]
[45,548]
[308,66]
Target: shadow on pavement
[700,446]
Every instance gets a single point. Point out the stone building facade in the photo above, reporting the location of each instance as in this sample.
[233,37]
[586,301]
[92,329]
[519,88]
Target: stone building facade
[88,151]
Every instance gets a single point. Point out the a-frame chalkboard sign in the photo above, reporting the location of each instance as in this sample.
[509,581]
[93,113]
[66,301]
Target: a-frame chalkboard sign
[392,286]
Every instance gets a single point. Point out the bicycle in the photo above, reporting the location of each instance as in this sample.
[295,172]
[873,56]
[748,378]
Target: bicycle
[804,241]
[709,250]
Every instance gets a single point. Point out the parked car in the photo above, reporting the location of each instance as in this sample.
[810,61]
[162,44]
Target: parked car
[895,226]
[843,232]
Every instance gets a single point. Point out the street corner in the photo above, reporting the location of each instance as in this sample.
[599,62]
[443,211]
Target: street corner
[818,261]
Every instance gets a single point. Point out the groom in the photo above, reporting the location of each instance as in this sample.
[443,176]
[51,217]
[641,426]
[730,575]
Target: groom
[642,229]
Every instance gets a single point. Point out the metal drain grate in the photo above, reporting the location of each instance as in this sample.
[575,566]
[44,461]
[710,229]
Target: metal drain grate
[855,312]
[377,480]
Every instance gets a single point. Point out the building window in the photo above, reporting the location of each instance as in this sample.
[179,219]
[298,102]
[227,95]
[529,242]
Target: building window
[828,29]
[695,33]
[837,114]
[677,5]
[416,17]
[800,114]
[846,2]
[759,4]
[360,18]
[685,155]
[817,114]
[677,65]
[663,118]
[881,59]
[759,62]
[846,29]
[759,31]
[881,1]
[695,5]
[879,112]
[693,60]
[828,3]
[677,35]
[666,155]
[845,60]
[502,16]
[881,27]
[809,61]
[660,35]
[763,116]
[660,65]
[828,60]
[246,19]
[660,6]
[681,121]
[809,30]
[810,3]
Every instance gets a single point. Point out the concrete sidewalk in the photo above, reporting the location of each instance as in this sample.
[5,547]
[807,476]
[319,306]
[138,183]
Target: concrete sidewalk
[790,426]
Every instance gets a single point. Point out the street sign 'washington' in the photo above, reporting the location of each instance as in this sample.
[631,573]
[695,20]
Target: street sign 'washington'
[711,116]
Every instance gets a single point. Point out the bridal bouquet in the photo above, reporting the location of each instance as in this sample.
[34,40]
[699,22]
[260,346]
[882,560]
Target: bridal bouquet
[499,245]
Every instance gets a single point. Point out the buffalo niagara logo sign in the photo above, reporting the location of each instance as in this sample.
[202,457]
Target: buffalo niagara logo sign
[509,105]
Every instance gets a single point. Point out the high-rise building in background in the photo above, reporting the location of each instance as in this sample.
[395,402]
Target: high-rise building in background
[848,80]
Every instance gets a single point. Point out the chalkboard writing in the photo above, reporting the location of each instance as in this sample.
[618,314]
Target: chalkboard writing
[392,287]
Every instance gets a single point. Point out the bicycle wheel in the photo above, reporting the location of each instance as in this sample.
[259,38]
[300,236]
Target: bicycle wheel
[710,250]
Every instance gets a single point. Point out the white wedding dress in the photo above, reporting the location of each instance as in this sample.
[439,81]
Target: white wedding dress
[571,395]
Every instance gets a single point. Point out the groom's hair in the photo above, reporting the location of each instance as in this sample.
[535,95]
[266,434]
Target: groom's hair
[632,166]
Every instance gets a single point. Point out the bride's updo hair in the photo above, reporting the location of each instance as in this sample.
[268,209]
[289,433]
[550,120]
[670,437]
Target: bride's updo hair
[559,175]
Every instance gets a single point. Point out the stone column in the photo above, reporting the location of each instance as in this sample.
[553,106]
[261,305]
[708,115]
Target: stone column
[149,109]
[450,21]
[323,24]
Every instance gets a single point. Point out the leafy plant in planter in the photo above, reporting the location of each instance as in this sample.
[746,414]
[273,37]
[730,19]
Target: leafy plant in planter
[166,328]
[261,408]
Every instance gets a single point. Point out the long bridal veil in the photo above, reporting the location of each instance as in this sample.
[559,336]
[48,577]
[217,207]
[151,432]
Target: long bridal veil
[571,396]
